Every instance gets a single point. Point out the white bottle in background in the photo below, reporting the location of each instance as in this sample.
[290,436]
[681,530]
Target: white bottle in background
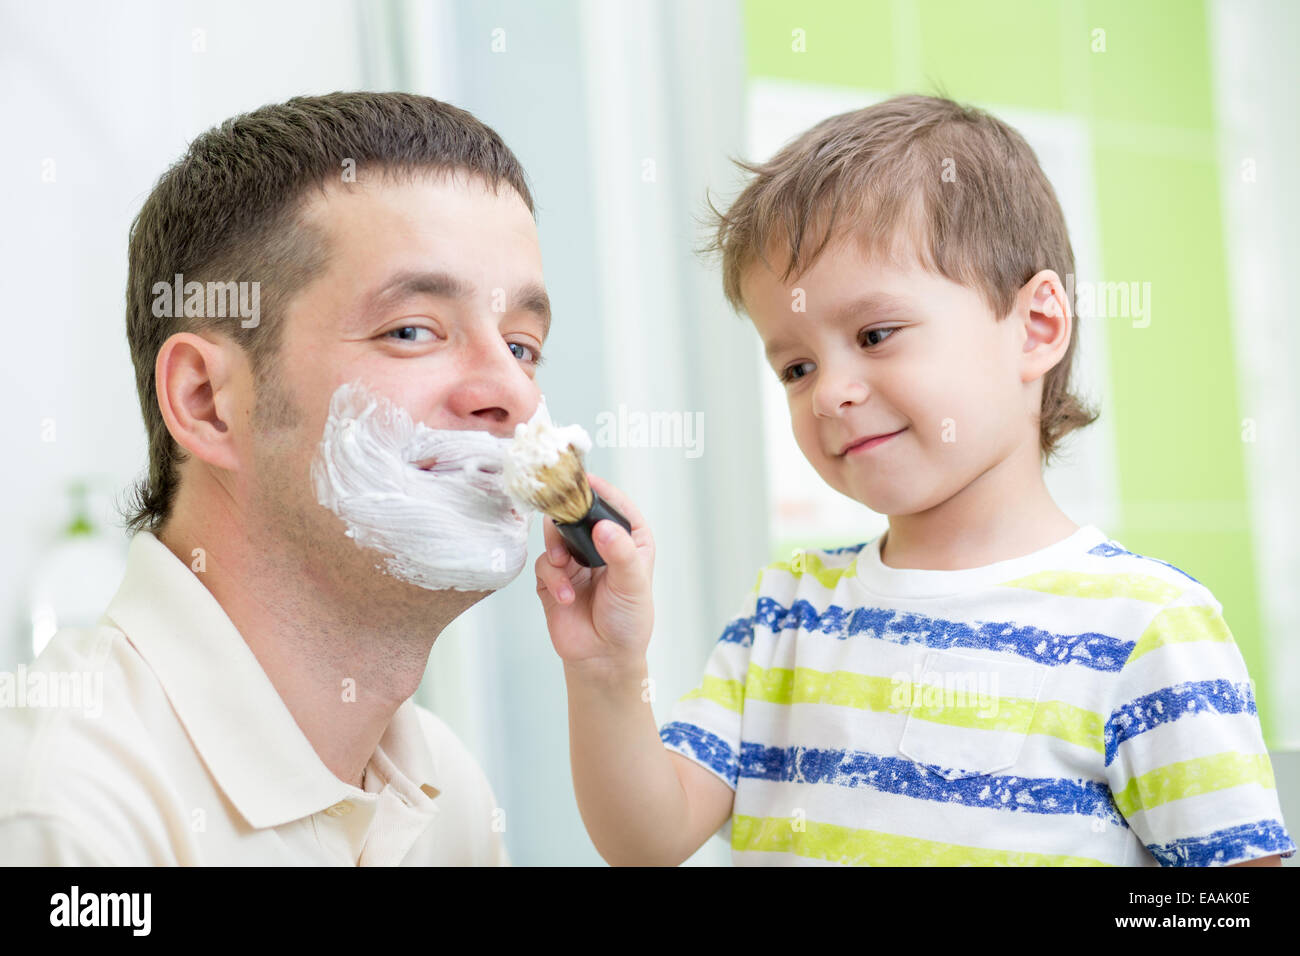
[73,581]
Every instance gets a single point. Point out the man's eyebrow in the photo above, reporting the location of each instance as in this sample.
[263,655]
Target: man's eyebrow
[405,285]
[532,297]
[877,304]
[401,286]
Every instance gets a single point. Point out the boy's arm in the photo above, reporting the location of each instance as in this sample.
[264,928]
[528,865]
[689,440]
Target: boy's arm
[641,804]
[637,807]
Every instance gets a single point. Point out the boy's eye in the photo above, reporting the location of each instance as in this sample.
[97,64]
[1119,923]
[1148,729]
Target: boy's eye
[865,337]
[792,372]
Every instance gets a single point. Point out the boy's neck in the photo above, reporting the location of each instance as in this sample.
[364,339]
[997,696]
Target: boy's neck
[994,518]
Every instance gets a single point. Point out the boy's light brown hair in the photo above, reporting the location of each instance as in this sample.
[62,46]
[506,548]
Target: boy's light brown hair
[948,184]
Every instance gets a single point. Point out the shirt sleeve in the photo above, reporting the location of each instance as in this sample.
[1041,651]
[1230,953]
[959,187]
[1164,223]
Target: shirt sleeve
[32,839]
[704,724]
[1185,755]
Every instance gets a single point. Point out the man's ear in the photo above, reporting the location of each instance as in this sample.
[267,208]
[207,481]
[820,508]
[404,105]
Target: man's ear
[196,383]
[1043,308]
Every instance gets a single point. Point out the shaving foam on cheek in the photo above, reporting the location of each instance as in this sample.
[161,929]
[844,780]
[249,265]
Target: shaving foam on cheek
[538,444]
[450,527]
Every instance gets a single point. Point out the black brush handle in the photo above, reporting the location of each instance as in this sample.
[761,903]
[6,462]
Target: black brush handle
[577,534]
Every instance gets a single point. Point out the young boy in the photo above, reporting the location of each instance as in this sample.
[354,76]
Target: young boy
[986,682]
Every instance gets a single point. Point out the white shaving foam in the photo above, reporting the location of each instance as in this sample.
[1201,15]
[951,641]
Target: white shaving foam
[452,527]
[538,444]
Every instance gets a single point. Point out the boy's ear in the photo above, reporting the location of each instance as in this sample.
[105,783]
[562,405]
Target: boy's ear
[1044,311]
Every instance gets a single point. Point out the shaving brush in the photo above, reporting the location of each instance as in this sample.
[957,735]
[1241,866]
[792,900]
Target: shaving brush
[544,471]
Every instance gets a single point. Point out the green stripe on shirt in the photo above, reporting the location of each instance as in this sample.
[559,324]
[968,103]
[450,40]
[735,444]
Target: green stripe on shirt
[778,685]
[1139,587]
[839,844]
[1190,778]
[1177,625]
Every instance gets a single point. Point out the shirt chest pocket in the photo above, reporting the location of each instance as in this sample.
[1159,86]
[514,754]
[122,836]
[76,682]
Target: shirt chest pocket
[969,716]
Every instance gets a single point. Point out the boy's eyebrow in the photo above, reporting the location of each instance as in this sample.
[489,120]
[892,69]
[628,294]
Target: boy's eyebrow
[401,286]
[877,304]
[880,304]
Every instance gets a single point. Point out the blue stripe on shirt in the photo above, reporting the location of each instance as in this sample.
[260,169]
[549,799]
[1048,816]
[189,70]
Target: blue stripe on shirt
[1108,550]
[907,778]
[1170,703]
[709,749]
[1249,839]
[1095,651]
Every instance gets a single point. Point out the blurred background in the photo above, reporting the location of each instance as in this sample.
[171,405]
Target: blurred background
[1167,127]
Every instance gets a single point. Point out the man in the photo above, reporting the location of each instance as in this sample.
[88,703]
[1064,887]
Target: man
[258,662]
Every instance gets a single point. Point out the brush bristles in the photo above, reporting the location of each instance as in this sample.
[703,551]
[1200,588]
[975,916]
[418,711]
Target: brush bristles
[565,494]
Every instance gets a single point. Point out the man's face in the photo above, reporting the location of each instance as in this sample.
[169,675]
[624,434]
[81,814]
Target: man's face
[433,296]
[882,349]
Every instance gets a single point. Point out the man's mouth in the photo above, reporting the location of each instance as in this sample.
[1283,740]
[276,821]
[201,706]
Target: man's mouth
[483,465]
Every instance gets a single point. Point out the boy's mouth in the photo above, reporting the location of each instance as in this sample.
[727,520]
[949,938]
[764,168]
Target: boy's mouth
[869,441]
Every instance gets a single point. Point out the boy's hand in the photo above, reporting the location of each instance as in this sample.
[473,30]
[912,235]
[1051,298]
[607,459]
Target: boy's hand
[600,617]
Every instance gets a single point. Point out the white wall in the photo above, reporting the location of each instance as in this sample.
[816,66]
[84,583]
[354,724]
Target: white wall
[112,93]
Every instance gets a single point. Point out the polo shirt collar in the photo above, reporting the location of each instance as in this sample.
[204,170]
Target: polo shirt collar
[238,722]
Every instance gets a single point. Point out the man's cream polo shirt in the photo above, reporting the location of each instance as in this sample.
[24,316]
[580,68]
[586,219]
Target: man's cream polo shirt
[187,755]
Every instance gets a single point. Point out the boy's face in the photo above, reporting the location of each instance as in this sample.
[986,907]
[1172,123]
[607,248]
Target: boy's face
[878,349]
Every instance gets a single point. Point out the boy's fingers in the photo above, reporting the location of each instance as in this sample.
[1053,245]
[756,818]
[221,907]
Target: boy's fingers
[625,574]
[553,579]
[556,552]
[619,500]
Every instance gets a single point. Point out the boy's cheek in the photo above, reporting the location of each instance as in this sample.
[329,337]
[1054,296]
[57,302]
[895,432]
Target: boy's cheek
[830,468]
[807,438]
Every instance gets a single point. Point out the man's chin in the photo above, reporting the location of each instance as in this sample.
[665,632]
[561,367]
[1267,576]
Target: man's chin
[475,571]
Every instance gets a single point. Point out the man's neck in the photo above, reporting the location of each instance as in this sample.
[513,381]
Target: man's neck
[341,671]
[1005,513]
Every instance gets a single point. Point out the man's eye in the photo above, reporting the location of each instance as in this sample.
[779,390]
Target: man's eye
[788,373]
[532,356]
[400,333]
[866,336]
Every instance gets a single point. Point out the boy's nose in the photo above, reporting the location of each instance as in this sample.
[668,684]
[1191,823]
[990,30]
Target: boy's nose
[837,392]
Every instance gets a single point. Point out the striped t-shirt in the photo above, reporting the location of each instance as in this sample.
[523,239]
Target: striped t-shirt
[1081,705]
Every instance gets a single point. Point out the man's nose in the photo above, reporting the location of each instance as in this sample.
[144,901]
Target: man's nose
[494,391]
[839,388]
